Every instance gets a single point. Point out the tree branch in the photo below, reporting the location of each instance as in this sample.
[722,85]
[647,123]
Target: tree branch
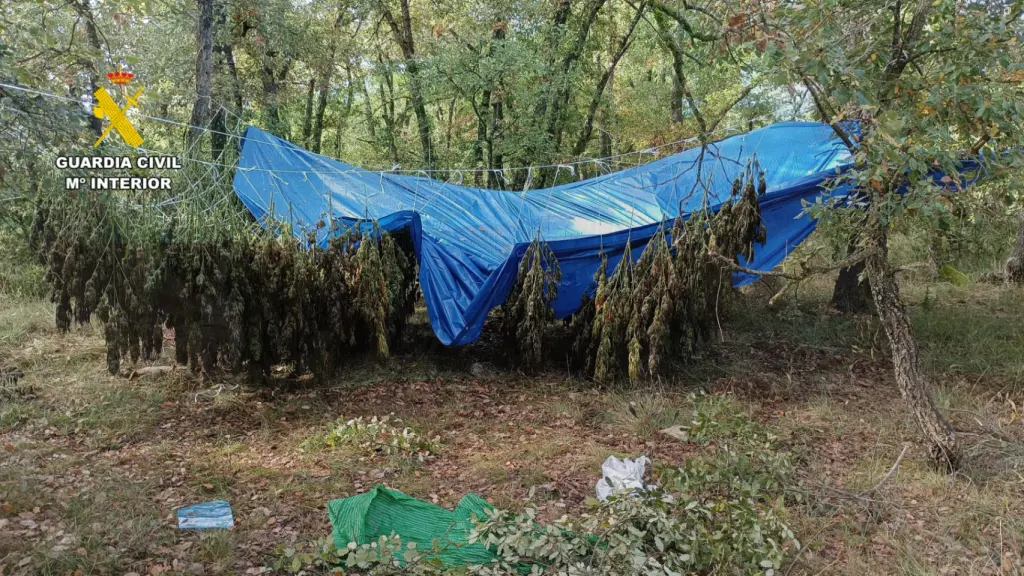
[595,102]
[681,19]
[794,279]
[888,476]
[721,116]
[828,118]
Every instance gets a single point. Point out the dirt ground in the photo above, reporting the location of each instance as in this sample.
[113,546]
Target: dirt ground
[95,466]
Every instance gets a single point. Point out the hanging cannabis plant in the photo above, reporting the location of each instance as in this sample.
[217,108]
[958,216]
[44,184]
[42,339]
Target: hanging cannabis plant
[527,312]
[662,307]
[236,298]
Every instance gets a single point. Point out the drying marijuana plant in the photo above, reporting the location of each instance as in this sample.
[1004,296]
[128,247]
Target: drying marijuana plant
[527,312]
[242,299]
[663,305]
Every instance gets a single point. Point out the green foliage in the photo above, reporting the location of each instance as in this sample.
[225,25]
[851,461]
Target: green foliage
[717,418]
[387,556]
[723,511]
[724,514]
[950,274]
[929,82]
[21,274]
[375,436]
[976,233]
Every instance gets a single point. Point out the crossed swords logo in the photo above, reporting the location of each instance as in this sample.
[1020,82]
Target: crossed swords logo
[118,121]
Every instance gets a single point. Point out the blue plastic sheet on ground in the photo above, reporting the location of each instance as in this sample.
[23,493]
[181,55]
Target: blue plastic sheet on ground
[207,516]
[469,241]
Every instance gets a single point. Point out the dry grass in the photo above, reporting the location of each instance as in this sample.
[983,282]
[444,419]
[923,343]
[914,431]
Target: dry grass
[95,466]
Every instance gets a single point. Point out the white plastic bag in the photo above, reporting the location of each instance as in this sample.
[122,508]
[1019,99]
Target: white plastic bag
[620,476]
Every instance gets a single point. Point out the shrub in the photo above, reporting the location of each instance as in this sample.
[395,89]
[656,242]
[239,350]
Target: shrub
[722,515]
[377,436]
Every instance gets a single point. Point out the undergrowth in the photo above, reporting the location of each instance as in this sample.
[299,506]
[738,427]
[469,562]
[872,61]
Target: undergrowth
[723,511]
[384,435]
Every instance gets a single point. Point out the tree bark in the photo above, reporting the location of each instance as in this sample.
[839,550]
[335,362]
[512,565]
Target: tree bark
[913,385]
[665,34]
[387,105]
[204,73]
[318,118]
[1015,265]
[84,9]
[346,110]
[218,134]
[371,123]
[403,37]
[605,80]
[564,87]
[225,58]
[495,157]
[307,121]
[548,111]
[483,114]
[852,294]
[271,79]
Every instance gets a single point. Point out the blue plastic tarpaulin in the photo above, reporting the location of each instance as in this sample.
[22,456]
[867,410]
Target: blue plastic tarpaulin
[469,241]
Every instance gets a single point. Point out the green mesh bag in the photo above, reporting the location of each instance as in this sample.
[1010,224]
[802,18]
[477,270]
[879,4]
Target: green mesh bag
[382,512]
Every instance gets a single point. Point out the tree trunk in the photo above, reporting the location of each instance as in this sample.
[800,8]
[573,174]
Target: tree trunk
[84,9]
[533,148]
[606,135]
[307,120]
[665,34]
[563,94]
[606,79]
[204,73]
[271,79]
[483,113]
[404,39]
[371,123]
[913,384]
[346,110]
[852,295]
[495,157]
[318,119]
[387,105]
[225,58]
[1015,265]
[218,134]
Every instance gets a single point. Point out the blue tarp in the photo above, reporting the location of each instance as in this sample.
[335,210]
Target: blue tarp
[469,241]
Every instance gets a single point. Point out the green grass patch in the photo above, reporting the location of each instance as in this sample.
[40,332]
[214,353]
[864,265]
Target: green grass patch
[974,338]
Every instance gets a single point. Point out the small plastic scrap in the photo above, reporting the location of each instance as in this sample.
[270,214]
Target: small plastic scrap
[619,476]
[206,516]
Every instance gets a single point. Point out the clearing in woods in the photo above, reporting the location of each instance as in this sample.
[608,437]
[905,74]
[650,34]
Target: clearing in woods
[96,465]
